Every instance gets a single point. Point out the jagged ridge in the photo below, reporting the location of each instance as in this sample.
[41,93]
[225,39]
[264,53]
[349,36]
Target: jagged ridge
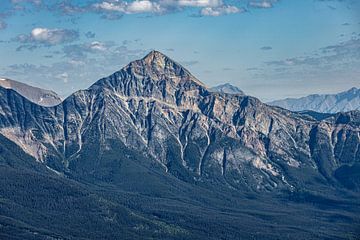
[327,103]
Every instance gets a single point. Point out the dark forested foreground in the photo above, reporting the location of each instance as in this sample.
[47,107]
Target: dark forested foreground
[151,153]
[139,202]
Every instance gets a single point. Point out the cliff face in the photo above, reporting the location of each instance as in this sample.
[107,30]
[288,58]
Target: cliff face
[156,108]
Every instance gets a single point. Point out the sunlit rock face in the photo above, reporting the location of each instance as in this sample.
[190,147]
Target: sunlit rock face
[157,108]
[37,95]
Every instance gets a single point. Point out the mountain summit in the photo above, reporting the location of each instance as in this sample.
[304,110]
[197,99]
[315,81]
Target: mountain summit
[158,63]
[156,76]
[156,59]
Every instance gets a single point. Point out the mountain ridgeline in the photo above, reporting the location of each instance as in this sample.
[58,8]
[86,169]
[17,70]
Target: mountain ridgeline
[152,125]
[227,88]
[37,95]
[324,103]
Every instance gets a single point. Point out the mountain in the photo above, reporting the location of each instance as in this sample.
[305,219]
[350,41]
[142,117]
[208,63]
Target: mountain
[151,152]
[37,95]
[227,88]
[326,103]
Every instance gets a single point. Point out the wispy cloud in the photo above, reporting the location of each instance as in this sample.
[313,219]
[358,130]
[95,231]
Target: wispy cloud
[221,10]
[35,2]
[197,3]
[138,6]
[90,34]
[115,9]
[266,48]
[344,52]
[207,7]
[68,8]
[262,3]
[80,51]
[3,25]
[252,69]
[227,69]
[46,37]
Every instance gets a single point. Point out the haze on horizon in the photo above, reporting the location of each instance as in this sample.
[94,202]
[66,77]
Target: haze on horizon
[270,49]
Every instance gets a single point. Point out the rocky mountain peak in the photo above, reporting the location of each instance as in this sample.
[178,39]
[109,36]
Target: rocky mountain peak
[154,76]
[354,90]
[158,67]
[156,58]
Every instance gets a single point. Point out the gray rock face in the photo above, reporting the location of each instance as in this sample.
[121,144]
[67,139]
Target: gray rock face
[227,88]
[37,95]
[327,103]
[157,108]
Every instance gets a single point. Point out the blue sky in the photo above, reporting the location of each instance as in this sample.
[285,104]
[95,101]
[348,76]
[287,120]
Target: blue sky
[270,49]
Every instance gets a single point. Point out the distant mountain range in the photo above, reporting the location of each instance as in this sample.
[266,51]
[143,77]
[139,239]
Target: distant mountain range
[325,103]
[37,95]
[227,88]
[150,152]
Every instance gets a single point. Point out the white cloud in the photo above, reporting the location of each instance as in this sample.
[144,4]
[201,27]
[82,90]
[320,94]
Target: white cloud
[262,4]
[81,51]
[143,6]
[109,6]
[63,76]
[36,2]
[148,6]
[218,11]
[137,6]
[42,34]
[115,9]
[199,3]
[48,37]
[99,46]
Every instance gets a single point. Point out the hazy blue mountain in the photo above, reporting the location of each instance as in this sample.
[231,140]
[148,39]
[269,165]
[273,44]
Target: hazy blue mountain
[227,88]
[326,103]
[37,95]
[151,152]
